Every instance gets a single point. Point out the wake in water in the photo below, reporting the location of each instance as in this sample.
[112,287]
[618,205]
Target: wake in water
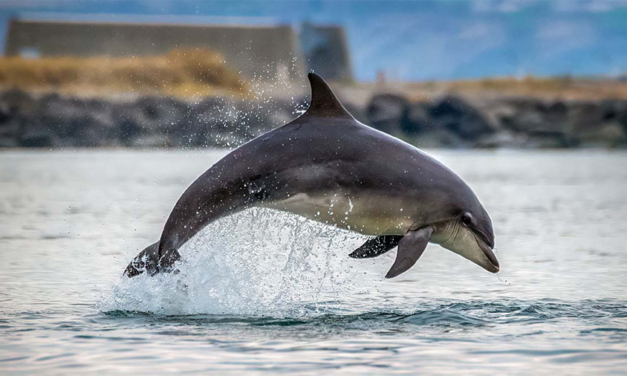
[258,262]
[264,268]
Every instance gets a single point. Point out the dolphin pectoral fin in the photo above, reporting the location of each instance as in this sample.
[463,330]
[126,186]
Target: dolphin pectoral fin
[410,248]
[376,246]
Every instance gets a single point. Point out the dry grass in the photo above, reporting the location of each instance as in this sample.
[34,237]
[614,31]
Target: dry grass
[549,87]
[200,72]
[184,72]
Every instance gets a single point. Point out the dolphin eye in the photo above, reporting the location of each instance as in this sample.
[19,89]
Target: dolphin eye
[467,219]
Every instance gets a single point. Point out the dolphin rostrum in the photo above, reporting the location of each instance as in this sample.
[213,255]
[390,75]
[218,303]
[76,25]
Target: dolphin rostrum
[329,167]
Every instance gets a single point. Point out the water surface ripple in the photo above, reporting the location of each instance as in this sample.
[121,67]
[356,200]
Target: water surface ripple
[269,293]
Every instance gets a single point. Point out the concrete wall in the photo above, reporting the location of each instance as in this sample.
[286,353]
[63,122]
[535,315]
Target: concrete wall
[326,50]
[266,51]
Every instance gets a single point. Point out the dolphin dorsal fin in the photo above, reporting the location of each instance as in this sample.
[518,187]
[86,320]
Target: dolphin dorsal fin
[324,103]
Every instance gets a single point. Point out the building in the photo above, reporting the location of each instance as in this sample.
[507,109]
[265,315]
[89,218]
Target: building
[266,51]
[326,50]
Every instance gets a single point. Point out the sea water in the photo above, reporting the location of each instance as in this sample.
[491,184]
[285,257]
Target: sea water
[264,292]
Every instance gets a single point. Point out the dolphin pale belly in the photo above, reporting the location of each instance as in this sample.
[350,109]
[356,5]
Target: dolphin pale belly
[328,167]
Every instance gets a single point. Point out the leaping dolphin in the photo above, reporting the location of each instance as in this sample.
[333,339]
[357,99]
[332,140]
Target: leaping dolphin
[329,167]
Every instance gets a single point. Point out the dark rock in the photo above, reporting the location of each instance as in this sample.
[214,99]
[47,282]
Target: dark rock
[14,104]
[535,115]
[417,119]
[458,116]
[609,134]
[150,141]
[547,140]
[599,124]
[440,138]
[585,115]
[150,116]
[9,142]
[9,127]
[17,100]
[9,134]
[207,123]
[503,139]
[60,121]
[129,124]
[547,124]
[159,114]
[614,111]
[72,121]
[38,140]
[386,112]
[358,112]
[5,113]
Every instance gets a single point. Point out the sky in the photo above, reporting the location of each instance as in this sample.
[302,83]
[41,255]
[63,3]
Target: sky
[408,40]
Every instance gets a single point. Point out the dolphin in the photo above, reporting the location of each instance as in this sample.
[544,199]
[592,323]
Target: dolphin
[328,167]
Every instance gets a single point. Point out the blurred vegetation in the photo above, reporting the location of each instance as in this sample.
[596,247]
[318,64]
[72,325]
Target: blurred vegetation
[181,72]
[198,72]
[559,87]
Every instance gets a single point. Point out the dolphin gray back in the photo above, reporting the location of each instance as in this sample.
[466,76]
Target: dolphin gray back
[324,150]
[256,171]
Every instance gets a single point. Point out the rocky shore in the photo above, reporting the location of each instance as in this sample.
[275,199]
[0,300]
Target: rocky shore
[55,121]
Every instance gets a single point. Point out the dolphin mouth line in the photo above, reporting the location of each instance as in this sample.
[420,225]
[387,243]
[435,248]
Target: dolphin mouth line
[494,266]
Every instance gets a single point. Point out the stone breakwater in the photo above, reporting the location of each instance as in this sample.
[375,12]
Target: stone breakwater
[55,121]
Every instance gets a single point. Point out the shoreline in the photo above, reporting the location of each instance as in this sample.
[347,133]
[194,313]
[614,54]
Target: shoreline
[454,121]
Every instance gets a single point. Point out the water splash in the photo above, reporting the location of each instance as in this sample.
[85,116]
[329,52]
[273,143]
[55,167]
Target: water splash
[259,262]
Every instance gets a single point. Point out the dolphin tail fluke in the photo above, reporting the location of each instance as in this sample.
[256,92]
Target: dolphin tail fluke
[147,261]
